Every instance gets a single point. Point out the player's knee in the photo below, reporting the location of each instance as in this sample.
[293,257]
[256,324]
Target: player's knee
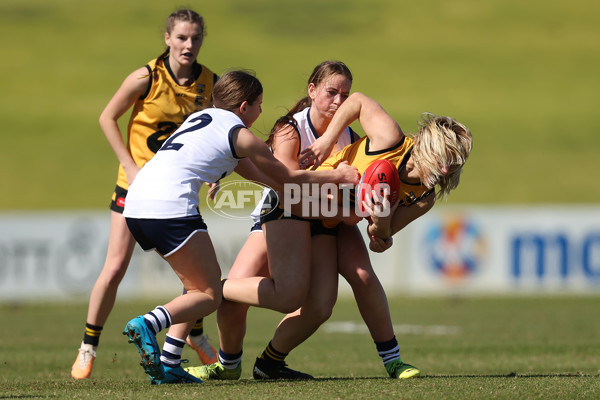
[289,298]
[290,303]
[363,277]
[215,303]
[206,302]
[113,274]
[319,308]
[233,310]
[288,307]
[321,314]
[216,296]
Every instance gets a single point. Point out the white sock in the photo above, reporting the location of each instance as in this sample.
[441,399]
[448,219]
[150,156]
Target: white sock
[159,319]
[171,352]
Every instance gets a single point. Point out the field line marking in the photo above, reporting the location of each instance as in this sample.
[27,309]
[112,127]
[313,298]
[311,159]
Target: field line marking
[352,327]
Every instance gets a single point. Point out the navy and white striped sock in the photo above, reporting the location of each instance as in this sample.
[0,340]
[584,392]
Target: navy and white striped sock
[230,361]
[171,352]
[388,351]
[158,319]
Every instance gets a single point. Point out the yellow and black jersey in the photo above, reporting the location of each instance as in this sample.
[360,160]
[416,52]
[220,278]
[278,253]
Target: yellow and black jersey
[164,106]
[359,156]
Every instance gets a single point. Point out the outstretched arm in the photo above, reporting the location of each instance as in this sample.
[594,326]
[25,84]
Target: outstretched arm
[381,129]
[248,145]
[399,218]
[285,149]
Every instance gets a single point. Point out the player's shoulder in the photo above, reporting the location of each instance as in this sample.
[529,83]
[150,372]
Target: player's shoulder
[137,81]
[206,72]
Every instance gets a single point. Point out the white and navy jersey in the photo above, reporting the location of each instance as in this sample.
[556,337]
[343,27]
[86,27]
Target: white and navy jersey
[201,150]
[307,135]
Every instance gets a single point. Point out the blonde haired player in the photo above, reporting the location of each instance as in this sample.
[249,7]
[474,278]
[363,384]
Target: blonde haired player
[433,157]
[337,250]
[162,93]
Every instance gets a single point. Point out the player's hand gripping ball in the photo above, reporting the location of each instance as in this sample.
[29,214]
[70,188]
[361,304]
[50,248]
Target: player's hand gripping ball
[379,175]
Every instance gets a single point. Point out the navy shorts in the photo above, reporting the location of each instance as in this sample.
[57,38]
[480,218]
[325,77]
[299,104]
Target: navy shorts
[166,236]
[257,227]
[272,211]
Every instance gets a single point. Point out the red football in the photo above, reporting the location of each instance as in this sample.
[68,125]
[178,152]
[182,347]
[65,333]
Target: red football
[379,175]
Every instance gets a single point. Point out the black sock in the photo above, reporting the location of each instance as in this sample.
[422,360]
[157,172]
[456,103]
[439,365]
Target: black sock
[198,328]
[272,356]
[388,351]
[92,334]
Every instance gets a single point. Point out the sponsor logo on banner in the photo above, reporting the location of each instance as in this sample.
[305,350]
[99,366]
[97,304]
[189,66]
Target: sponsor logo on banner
[456,247]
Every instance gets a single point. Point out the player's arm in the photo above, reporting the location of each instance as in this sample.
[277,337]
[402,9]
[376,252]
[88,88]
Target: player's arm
[286,144]
[132,88]
[381,129]
[354,135]
[247,170]
[386,227]
[285,148]
[248,145]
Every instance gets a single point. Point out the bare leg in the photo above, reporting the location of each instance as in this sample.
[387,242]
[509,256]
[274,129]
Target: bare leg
[197,267]
[195,263]
[354,265]
[181,331]
[104,293]
[298,326]
[231,316]
[288,248]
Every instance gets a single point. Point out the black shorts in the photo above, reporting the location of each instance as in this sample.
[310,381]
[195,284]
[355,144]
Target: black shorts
[118,199]
[166,236]
[273,211]
[317,228]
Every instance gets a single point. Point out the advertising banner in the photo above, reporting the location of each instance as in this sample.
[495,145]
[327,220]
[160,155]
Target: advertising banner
[505,249]
[451,250]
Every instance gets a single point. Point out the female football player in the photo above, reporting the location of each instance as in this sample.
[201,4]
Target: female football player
[432,158]
[333,250]
[162,205]
[162,93]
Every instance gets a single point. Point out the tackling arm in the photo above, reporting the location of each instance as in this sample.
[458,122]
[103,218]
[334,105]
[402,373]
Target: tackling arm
[381,129]
[384,228]
[248,145]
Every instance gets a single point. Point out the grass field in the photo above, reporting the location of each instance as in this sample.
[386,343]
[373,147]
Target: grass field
[522,75]
[488,348]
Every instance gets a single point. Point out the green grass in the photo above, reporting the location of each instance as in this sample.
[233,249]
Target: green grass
[522,75]
[499,348]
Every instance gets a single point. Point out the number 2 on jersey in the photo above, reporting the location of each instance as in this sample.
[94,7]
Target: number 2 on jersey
[198,123]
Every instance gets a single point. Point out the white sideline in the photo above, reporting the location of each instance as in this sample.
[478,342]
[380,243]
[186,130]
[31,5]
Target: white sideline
[352,327]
